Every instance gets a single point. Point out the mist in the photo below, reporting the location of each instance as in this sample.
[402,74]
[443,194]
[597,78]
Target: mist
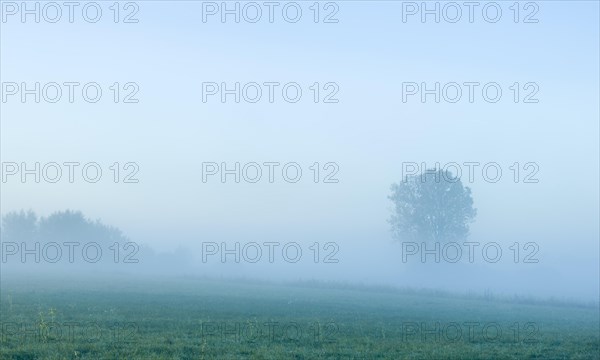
[188,141]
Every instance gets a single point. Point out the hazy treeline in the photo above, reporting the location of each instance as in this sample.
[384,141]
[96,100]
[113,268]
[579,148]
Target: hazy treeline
[67,240]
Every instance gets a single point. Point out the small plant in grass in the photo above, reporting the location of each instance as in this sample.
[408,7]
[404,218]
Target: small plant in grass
[9,299]
[43,325]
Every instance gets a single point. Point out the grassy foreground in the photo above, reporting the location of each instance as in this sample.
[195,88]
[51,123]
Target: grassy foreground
[185,318]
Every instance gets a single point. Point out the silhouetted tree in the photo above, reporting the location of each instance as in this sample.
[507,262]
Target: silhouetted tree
[432,206]
[19,227]
[73,227]
[69,225]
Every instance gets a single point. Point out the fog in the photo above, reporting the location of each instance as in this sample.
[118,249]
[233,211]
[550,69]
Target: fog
[178,196]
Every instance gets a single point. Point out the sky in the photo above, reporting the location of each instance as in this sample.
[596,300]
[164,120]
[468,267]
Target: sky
[369,61]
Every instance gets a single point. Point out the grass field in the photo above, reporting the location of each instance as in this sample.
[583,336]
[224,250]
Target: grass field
[190,318]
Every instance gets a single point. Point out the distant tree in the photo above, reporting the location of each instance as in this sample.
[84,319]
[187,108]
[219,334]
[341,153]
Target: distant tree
[19,227]
[60,227]
[433,206]
[70,225]
[73,227]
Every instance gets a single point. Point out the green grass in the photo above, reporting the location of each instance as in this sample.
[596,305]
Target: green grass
[185,318]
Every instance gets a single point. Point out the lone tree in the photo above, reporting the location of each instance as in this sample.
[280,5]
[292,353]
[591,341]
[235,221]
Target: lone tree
[433,206]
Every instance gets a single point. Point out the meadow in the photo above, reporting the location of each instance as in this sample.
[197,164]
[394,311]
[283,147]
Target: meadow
[125,317]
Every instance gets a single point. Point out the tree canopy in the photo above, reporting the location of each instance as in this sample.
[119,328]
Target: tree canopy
[433,206]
